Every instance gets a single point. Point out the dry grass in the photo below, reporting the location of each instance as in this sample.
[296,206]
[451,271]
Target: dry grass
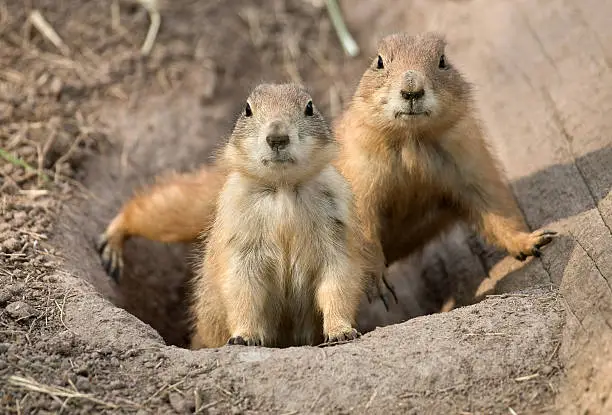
[57,393]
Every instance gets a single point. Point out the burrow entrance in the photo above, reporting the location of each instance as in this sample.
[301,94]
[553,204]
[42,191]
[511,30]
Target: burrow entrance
[178,132]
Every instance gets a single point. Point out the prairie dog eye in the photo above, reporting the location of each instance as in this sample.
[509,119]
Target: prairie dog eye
[379,63]
[309,109]
[443,64]
[247,110]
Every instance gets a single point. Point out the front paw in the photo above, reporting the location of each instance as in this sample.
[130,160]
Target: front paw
[111,256]
[380,287]
[532,244]
[342,336]
[244,341]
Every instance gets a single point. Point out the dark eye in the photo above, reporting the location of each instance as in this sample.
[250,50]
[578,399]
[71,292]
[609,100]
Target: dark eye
[443,64]
[309,109]
[380,64]
[247,110]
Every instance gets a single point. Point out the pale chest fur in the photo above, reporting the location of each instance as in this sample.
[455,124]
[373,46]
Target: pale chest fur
[410,187]
[288,227]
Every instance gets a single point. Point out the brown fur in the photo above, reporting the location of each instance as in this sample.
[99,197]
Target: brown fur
[414,175]
[281,266]
[413,178]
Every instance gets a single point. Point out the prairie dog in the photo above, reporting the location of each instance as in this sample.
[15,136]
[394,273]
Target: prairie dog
[281,264]
[415,154]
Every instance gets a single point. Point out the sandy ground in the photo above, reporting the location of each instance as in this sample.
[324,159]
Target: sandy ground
[95,121]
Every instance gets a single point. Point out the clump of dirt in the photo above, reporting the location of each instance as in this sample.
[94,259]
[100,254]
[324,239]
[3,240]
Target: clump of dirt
[93,125]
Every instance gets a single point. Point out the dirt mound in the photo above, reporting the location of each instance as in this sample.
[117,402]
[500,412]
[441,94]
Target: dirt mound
[539,341]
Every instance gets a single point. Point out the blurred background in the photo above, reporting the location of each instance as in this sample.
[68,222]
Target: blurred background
[98,97]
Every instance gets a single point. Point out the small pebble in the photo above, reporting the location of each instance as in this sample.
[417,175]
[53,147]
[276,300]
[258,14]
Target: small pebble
[63,343]
[55,86]
[4,347]
[16,288]
[10,245]
[5,296]
[82,384]
[178,403]
[20,309]
[55,405]
[116,384]
[19,218]
[49,278]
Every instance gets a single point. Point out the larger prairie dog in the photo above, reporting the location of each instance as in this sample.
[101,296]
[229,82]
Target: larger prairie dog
[281,264]
[416,156]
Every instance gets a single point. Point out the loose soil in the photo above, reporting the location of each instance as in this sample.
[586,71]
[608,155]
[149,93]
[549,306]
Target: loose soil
[95,122]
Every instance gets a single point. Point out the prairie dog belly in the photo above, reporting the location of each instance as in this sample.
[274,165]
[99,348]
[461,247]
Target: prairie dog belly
[290,231]
[406,229]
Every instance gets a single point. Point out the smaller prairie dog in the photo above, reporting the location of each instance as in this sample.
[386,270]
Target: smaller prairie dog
[282,264]
[415,154]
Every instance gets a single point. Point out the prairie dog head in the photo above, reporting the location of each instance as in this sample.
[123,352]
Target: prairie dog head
[413,84]
[280,136]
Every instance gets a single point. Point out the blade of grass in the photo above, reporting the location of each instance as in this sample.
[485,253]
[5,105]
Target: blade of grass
[347,41]
[21,163]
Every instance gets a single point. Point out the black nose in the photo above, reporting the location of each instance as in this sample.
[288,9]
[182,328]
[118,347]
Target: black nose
[277,142]
[413,94]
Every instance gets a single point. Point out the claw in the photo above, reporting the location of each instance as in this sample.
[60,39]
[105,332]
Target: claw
[241,341]
[391,288]
[115,274]
[101,243]
[111,259]
[543,238]
[238,340]
[544,242]
[342,337]
[547,236]
[384,300]
[521,257]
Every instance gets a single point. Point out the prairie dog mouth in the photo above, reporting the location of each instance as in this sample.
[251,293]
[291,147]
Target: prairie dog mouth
[410,114]
[278,159]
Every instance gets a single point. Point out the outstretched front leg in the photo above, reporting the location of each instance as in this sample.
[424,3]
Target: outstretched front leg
[178,208]
[491,207]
